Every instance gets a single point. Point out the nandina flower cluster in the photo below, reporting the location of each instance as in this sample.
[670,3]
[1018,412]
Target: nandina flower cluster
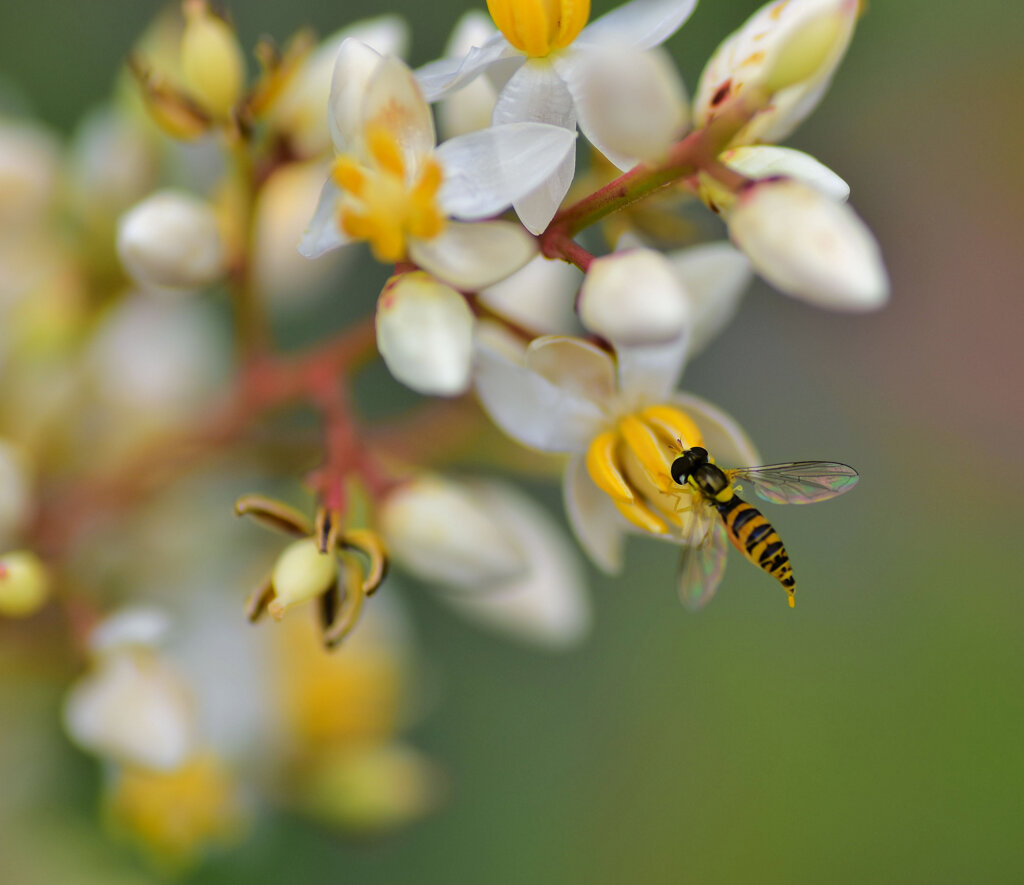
[538,202]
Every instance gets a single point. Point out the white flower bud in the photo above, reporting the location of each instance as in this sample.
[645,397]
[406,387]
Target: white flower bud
[809,246]
[171,239]
[425,334]
[15,491]
[540,296]
[29,160]
[132,708]
[24,584]
[770,161]
[301,573]
[634,297]
[634,102]
[789,50]
[442,532]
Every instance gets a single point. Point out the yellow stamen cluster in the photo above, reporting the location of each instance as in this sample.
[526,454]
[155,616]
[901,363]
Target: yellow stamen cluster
[385,203]
[632,463]
[538,27]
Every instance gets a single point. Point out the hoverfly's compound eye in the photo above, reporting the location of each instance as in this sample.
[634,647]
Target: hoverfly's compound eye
[680,470]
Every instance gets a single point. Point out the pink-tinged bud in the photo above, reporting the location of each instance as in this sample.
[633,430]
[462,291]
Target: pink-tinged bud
[425,334]
[809,246]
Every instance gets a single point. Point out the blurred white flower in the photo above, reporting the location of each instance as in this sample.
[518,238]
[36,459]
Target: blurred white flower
[29,171]
[132,706]
[393,187]
[507,561]
[171,240]
[538,57]
[810,246]
[471,107]
[425,334]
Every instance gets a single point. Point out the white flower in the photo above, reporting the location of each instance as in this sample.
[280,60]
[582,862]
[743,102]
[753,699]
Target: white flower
[541,52]
[504,561]
[809,246]
[621,421]
[29,169]
[392,186]
[471,107]
[539,297]
[425,334]
[788,48]
[171,239]
[132,707]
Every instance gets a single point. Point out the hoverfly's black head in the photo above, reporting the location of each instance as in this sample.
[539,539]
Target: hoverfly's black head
[687,463]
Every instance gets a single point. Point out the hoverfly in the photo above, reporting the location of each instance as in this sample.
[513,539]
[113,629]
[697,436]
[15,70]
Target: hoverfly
[714,489]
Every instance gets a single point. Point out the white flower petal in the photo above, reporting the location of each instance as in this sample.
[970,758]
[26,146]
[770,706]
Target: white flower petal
[548,604]
[539,297]
[770,161]
[471,256]
[484,172]
[132,709]
[354,67]
[138,626]
[441,531]
[640,24]
[425,334]
[648,372]
[594,519]
[809,246]
[394,103]
[715,276]
[631,104]
[536,93]
[440,77]
[723,436]
[529,408]
[634,297]
[573,365]
[322,234]
[386,34]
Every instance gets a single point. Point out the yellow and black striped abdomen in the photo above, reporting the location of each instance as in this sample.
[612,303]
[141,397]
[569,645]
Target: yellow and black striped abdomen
[755,538]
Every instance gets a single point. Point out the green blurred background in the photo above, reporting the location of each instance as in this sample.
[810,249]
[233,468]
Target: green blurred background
[876,733]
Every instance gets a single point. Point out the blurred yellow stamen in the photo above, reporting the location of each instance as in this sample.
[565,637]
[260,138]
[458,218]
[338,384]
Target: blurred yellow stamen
[652,453]
[604,469]
[537,27]
[384,204]
[673,425]
[642,516]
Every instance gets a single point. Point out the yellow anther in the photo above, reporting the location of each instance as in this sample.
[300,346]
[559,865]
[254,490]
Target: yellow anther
[642,516]
[651,451]
[672,424]
[349,175]
[604,469]
[536,27]
[385,150]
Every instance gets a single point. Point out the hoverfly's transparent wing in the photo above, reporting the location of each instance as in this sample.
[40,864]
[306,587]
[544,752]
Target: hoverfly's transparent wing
[800,482]
[703,562]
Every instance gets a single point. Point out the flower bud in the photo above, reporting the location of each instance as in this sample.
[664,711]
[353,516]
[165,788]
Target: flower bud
[634,102]
[24,584]
[171,239]
[301,572]
[787,51]
[442,532]
[212,63]
[809,246]
[425,334]
[769,161]
[633,297]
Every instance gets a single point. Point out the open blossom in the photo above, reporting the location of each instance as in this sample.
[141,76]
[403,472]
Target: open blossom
[619,417]
[392,186]
[549,48]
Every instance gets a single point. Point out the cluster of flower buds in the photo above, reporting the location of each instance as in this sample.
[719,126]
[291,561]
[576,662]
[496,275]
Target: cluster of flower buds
[157,267]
